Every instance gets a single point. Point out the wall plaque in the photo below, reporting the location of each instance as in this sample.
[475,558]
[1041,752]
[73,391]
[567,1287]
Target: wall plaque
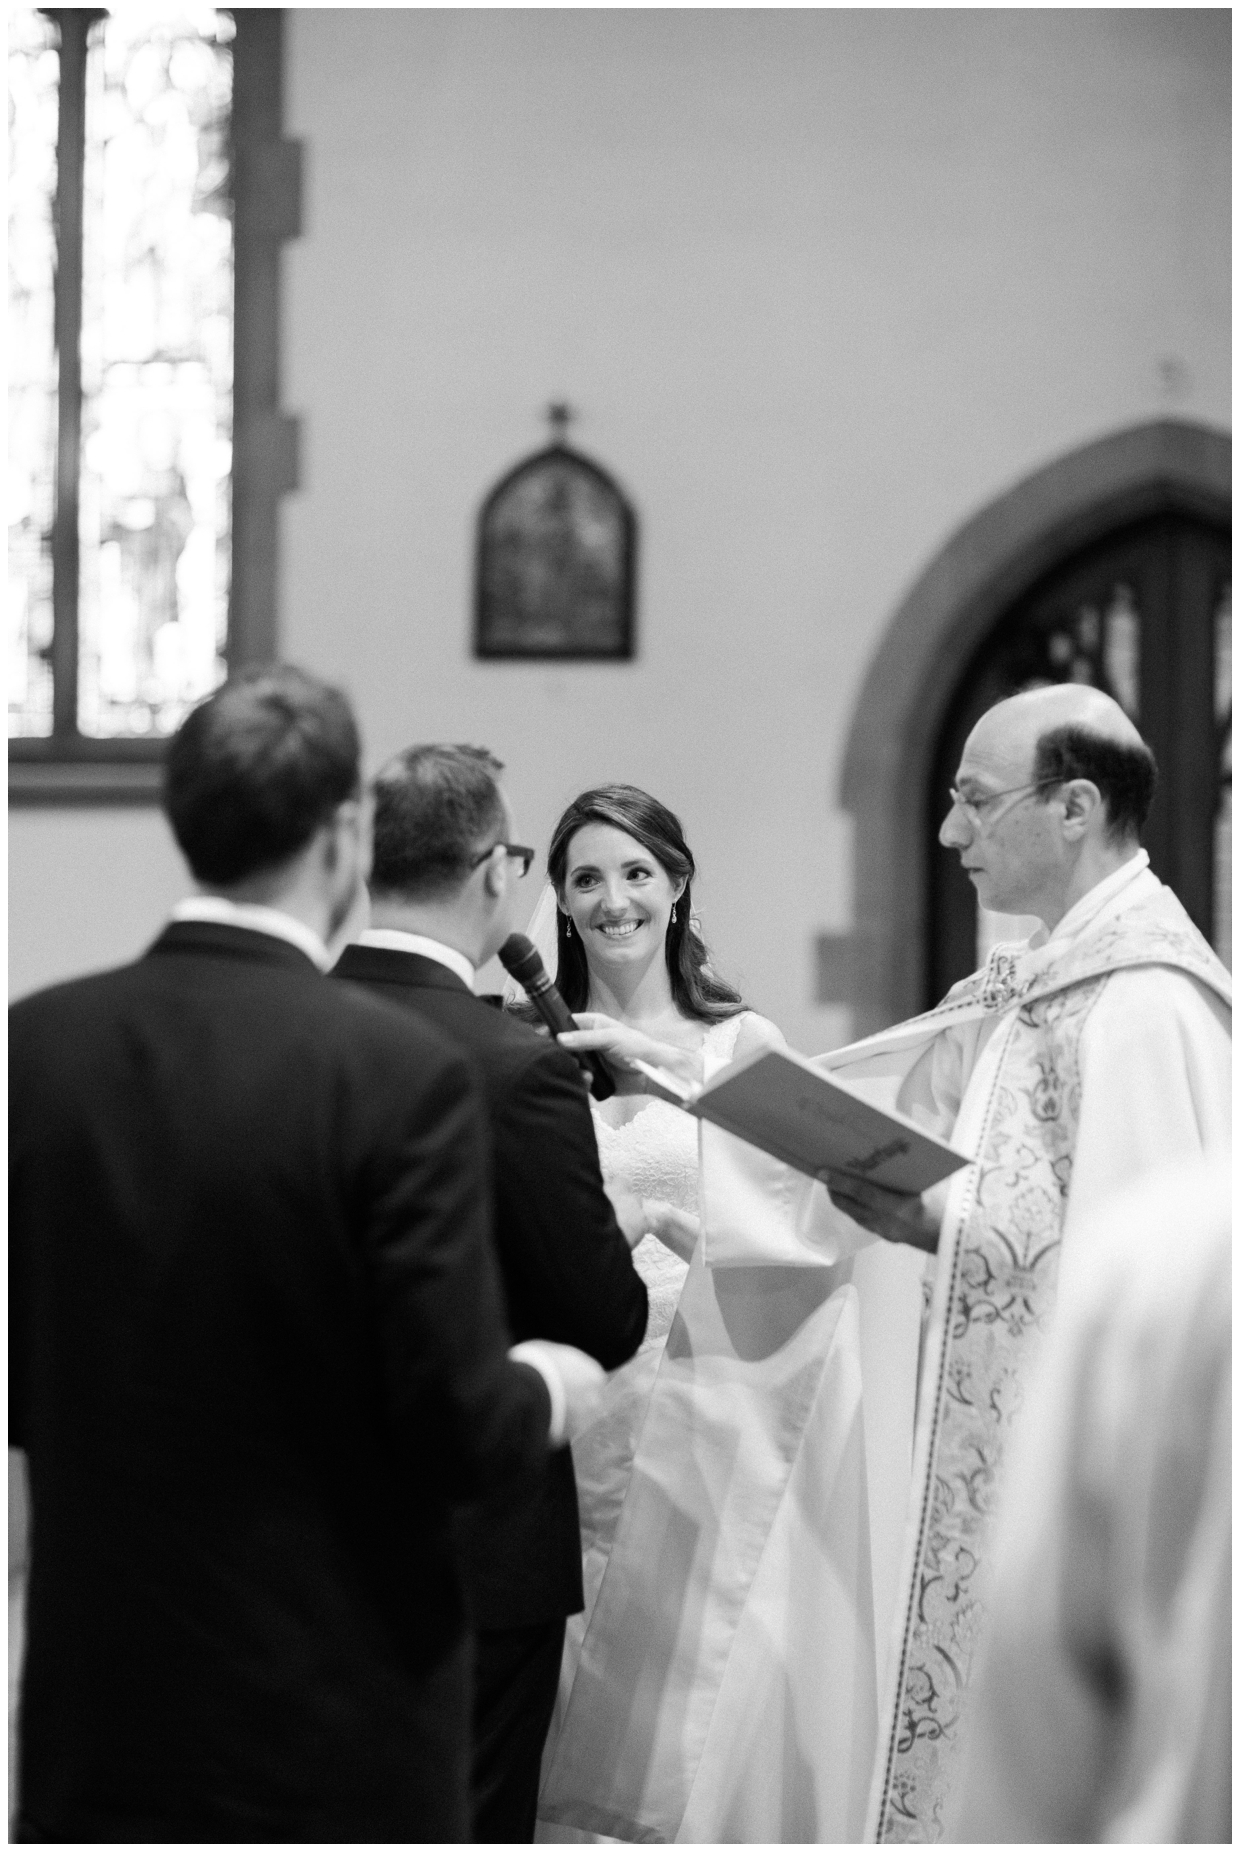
[557,543]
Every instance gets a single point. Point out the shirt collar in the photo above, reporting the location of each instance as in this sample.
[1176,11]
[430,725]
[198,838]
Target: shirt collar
[1091,904]
[214,910]
[392,939]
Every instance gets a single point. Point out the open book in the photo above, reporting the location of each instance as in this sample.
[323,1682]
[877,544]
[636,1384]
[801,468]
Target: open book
[786,1106]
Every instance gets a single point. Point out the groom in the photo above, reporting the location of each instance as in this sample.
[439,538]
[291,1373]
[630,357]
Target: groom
[257,1347]
[443,894]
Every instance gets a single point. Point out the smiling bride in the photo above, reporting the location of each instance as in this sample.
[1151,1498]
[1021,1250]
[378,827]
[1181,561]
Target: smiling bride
[720,1683]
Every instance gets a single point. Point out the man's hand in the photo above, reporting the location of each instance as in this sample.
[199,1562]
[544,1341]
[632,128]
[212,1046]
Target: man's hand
[584,1381]
[574,1382]
[889,1213]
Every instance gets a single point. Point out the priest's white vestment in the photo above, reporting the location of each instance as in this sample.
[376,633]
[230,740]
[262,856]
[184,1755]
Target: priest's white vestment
[1064,1068]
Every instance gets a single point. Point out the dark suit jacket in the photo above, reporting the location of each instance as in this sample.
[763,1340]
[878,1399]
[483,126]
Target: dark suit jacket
[257,1348]
[566,1267]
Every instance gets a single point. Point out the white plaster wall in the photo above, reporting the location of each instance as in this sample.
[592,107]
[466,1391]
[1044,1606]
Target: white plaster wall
[87,889]
[821,283]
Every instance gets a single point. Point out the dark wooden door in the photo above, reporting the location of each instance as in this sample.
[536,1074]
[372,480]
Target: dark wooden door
[1144,613]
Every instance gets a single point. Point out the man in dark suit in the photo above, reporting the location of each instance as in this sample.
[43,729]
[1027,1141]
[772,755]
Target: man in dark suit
[443,891]
[257,1341]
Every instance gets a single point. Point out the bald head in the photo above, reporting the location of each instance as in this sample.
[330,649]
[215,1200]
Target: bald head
[1072,731]
[1022,720]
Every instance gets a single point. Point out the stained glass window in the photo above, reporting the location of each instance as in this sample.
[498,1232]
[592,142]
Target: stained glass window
[33,73]
[156,368]
[147,469]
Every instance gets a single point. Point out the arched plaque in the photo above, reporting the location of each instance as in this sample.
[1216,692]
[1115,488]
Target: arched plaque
[556,560]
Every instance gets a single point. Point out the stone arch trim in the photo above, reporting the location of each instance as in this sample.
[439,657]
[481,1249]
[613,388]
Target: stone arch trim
[984,567]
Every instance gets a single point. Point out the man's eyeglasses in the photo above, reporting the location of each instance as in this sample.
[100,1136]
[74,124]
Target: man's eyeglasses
[517,851]
[974,808]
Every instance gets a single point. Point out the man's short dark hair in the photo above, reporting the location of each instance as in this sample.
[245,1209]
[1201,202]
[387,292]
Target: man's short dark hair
[256,768]
[1125,775]
[436,809]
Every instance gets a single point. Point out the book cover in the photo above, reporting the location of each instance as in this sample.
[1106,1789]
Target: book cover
[786,1106]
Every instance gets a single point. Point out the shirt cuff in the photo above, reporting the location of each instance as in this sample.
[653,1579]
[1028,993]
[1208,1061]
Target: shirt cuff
[539,1358]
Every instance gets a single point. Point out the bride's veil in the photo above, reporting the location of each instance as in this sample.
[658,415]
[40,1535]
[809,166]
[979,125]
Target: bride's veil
[541,934]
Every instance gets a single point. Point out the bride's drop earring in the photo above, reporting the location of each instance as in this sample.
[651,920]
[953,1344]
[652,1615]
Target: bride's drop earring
[673,913]
[568,926]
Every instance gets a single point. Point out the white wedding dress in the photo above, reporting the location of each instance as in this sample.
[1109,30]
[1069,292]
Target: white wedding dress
[720,1684]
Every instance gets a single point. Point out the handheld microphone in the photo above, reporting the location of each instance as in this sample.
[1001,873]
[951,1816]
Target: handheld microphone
[520,959]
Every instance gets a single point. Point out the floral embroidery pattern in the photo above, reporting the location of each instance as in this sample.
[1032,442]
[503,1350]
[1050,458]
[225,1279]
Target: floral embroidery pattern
[1001,980]
[999,1297]
[1004,1272]
[1155,932]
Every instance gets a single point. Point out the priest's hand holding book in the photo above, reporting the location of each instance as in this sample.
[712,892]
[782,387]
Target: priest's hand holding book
[893,1214]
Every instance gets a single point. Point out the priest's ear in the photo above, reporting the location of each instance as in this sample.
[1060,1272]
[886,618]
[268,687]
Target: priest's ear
[1083,807]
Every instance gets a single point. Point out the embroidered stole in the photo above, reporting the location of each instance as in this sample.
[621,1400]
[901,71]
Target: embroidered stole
[994,1295]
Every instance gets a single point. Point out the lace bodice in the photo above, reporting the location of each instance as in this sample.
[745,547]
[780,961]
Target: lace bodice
[656,1155]
[656,1152]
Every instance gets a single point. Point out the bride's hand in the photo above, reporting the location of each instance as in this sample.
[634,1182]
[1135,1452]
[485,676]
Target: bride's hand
[675,1228]
[621,1046]
[630,1213]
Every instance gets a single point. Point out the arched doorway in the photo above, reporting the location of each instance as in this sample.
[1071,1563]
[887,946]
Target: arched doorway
[1145,613]
[1168,468]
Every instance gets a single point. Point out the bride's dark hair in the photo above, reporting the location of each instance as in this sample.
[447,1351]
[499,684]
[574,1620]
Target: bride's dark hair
[696,991]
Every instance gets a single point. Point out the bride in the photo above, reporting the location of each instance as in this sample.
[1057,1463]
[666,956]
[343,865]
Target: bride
[720,1683]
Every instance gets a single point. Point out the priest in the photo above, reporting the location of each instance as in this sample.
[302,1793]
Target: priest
[1066,1068]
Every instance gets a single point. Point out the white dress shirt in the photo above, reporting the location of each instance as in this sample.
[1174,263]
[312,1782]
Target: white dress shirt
[393,939]
[215,910]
